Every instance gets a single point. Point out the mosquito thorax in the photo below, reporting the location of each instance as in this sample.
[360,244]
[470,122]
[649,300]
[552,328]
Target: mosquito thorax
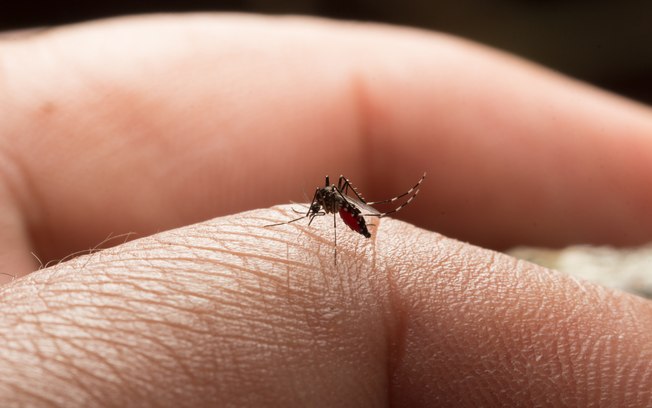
[330,199]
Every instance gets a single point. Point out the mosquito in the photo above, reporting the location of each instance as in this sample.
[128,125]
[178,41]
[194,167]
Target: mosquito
[335,199]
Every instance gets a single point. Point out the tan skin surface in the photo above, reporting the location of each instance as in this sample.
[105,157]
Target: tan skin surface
[145,124]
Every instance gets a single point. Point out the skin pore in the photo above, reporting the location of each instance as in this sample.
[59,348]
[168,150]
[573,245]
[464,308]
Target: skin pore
[144,124]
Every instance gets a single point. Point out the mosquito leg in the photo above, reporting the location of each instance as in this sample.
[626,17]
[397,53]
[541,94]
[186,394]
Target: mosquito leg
[343,185]
[391,200]
[397,209]
[335,229]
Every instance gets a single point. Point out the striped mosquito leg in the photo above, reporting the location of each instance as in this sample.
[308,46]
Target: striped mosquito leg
[391,200]
[335,231]
[343,184]
[397,209]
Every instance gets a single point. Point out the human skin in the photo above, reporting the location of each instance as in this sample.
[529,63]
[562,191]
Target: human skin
[149,123]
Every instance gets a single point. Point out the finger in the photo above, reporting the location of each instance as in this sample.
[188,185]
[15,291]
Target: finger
[177,119]
[478,328]
[228,312]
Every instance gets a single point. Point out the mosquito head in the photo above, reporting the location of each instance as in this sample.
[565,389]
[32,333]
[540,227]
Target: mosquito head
[315,208]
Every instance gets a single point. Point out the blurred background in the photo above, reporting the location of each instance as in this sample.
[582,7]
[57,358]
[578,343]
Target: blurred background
[603,42]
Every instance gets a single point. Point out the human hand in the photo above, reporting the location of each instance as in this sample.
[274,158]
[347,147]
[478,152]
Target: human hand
[148,123]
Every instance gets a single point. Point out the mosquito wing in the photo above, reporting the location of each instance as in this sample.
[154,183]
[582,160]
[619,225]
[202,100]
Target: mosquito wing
[366,210]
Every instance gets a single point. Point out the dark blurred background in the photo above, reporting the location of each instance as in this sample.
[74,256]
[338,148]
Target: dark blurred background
[607,43]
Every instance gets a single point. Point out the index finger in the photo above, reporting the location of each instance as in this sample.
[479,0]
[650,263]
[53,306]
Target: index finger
[143,124]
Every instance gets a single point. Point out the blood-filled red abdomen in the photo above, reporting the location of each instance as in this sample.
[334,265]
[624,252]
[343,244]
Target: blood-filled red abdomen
[354,220]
